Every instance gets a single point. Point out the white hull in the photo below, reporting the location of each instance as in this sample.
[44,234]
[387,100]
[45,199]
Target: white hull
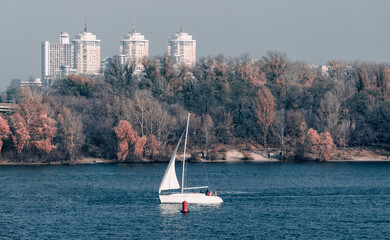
[199,198]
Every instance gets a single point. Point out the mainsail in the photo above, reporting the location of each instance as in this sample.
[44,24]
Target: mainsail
[169,180]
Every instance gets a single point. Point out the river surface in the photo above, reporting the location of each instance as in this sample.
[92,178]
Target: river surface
[261,201]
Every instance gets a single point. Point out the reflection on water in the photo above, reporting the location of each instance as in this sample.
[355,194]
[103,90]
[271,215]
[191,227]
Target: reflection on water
[169,209]
[172,209]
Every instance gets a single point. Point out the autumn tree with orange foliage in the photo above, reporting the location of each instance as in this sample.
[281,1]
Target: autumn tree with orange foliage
[265,111]
[40,126]
[314,139]
[248,72]
[4,131]
[20,134]
[139,146]
[321,144]
[327,146]
[32,127]
[125,134]
[128,138]
[153,145]
[383,80]
[306,75]
[42,131]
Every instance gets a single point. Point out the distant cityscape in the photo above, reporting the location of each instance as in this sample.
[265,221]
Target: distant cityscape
[82,55]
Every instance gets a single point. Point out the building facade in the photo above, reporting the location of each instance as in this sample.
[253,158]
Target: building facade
[54,57]
[31,82]
[134,46]
[182,48]
[86,53]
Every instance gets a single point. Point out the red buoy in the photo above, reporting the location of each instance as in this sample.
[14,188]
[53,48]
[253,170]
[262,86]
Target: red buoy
[185,207]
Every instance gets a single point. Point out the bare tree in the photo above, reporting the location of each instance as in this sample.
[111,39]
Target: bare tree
[345,129]
[265,111]
[362,81]
[274,65]
[151,117]
[71,126]
[121,77]
[279,128]
[299,74]
[207,130]
[329,112]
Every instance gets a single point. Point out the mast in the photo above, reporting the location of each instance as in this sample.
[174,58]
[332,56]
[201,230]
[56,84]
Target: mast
[184,156]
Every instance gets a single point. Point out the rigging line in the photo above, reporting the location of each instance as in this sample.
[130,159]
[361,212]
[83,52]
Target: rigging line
[186,176]
[188,138]
[186,169]
[186,166]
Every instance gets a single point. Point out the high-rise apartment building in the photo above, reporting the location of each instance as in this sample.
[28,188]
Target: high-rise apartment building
[182,48]
[54,57]
[86,53]
[134,46]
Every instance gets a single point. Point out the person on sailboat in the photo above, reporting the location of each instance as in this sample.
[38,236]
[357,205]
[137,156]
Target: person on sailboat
[207,193]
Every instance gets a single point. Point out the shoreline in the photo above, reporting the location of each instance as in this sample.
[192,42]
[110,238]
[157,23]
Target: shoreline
[232,156]
[83,162]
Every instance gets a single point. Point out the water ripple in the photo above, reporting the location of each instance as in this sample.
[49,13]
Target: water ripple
[261,201]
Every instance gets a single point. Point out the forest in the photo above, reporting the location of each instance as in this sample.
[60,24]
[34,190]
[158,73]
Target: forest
[133,115]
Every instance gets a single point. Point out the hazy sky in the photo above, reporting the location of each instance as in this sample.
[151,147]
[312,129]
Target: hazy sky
[310,30]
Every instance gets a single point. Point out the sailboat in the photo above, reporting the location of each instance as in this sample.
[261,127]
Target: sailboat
[170,182]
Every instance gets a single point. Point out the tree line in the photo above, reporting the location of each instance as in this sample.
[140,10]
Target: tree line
[131,114]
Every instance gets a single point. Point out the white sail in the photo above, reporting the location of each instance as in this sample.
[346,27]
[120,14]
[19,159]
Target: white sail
[169,180]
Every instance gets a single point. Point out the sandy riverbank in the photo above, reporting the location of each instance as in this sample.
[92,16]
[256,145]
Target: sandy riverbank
[361,155]
[234,155]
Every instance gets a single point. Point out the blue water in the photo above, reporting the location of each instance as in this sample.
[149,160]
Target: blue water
[261,201]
